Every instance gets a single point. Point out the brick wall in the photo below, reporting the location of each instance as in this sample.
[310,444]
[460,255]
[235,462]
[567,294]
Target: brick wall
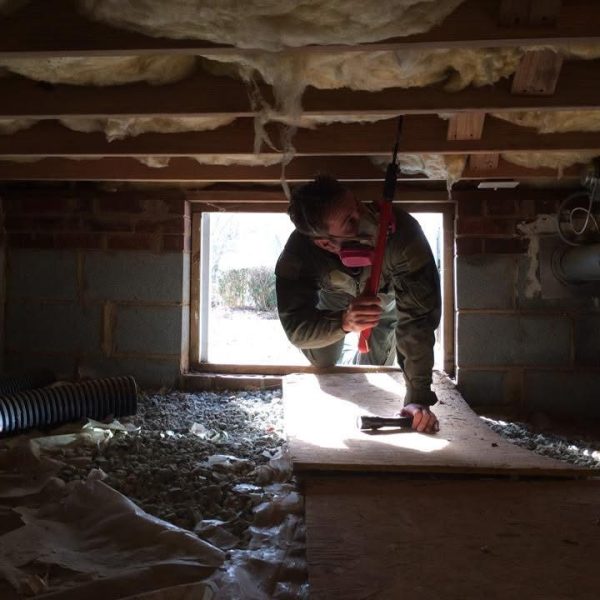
[97,283]
[517,347]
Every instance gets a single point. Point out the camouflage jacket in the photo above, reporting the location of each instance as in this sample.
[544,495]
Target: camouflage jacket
[314,288]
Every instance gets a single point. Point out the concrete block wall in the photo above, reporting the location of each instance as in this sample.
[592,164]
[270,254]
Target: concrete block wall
[2,283]
[517,349]
[97,283]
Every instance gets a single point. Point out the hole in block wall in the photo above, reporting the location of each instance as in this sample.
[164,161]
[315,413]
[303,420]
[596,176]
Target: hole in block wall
[239,323]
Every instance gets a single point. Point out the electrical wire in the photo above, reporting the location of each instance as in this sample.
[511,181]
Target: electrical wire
[592,195]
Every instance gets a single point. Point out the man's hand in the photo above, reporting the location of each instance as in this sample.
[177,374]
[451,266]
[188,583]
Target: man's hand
[423,419]
[364,312]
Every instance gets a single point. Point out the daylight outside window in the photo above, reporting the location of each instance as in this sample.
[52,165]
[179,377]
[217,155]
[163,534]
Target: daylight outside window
[239,323]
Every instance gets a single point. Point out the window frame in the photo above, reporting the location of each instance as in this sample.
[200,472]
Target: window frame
[447,209]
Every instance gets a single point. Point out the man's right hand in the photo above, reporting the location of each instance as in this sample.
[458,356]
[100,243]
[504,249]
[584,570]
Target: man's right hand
[364,312]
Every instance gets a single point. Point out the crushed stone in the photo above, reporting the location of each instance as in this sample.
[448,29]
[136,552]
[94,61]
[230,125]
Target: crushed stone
[197,458]
[575,451]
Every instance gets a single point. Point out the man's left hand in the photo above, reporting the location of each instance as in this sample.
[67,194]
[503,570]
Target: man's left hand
[423,420]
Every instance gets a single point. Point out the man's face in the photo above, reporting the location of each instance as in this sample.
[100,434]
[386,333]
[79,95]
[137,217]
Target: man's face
[343,221]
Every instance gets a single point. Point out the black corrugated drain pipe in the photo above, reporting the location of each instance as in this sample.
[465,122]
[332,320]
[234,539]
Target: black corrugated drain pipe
[50,406]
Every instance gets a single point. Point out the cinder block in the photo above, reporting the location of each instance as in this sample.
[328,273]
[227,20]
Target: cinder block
[2,299]
[139,276]
[533,292]
[575,394]
[512,340]
[47,274]
[52,327]
[148,330]
[485,281]
[148,372]
[62,365]
[587,341]
[482,388]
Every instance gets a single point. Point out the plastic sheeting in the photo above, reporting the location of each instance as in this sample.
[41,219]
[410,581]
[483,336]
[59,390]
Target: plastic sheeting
[100,533]
[86,540]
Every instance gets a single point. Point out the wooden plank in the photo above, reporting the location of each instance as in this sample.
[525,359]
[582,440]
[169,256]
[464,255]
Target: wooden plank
[507,170]
[195,290]
[385,538]
[514,13]
[303,168]
[521,13]
[538,73]
[349,168]
[320,418]
[421,134]
[466,126]
[544,12]
[448,287]
[206,94]
[364,191]
[56,29]
[483,162]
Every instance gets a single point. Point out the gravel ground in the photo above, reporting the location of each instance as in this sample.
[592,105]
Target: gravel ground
[197,458]
[580,452]
[212,463]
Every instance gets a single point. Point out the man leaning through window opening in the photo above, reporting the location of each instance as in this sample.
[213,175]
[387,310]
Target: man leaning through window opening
[320,298]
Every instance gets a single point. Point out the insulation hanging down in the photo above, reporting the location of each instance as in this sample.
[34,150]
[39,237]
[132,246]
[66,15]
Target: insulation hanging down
[268,35]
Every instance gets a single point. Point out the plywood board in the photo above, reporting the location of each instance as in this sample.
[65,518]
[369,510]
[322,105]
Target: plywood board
[381,538]
[320,419]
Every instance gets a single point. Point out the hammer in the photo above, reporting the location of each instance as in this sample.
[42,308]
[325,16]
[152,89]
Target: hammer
[368,422]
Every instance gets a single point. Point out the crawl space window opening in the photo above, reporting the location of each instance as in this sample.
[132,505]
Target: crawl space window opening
[238,319]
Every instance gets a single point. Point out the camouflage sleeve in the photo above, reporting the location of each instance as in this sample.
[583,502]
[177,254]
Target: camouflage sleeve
[297,295]
[418,302]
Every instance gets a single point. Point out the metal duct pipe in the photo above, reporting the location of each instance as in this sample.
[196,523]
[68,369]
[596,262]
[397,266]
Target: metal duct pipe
[17,383]
[577,264]
[95,399]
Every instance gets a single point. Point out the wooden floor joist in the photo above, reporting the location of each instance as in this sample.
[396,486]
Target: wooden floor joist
[421,134]
[56,29]
[209,95]
[303,168]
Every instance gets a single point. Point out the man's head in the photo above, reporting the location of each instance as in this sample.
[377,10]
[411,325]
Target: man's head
[327,212]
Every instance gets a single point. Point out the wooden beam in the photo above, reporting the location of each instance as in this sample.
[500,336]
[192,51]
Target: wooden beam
[544,12]
[207,95]
[421,134]
[476,170]
[466,126]
[43,29]
[538,73]
[522,13]
[366,191]
[303,168]
[516,195]
[349,168]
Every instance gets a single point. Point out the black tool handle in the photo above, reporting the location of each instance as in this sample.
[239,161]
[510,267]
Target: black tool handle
[368,422]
